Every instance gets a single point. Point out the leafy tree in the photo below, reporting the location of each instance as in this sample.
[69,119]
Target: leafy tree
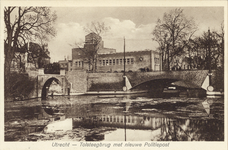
[172,34]
[23,24]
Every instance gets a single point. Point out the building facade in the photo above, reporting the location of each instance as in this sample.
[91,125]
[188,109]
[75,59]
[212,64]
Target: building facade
[146,60]
[82,58]
[30,57]
[108,60]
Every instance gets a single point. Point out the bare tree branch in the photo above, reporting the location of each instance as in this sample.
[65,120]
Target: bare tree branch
[172,33]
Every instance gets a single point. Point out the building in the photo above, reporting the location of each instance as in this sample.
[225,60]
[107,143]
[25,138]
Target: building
[38,56]
[65,65]
[146,60]
[82,57]
[30,57]
[108,60]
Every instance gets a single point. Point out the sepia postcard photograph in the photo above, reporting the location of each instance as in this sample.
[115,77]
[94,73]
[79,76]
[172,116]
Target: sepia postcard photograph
[113,74]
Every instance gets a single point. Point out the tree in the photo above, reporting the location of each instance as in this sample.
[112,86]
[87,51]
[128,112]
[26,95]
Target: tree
[24,24]
[211,52]
[29,24]
[172,34]
[210,47]
[92,46]
[36,54]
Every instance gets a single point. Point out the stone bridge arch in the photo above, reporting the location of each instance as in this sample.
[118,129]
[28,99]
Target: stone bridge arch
[193,78]
[44,82]
[153,84]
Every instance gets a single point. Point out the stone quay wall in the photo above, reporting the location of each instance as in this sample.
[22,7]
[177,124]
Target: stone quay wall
[105,81]
[77,81]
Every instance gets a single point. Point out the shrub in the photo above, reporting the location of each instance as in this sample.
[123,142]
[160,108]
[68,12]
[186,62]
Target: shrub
[19,85]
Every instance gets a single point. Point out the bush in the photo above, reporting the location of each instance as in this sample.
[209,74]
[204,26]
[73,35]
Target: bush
[19,86]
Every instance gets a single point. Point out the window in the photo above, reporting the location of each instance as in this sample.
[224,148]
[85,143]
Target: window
[156,60]
[121,119]
[114,119]
[106,62]
[103,62]
[100,62]
[117,61]
[79,64]
[128,60]
[132,60]
[113,62]
[120,61]
[76,63]
[110,62]
[82,63]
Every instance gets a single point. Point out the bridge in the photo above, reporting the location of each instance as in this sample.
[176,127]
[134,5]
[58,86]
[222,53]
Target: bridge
[45,80]
[137,80]
[74,82]
[190,79]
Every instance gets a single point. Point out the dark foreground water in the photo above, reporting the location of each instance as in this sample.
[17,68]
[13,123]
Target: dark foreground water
[110,118]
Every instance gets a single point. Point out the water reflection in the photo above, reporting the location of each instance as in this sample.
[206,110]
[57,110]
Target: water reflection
[92,118]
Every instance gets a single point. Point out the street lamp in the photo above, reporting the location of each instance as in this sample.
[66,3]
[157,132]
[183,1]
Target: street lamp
[209,88]
[124,77]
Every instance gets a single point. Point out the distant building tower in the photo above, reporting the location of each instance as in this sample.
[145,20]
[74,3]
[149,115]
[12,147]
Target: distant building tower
[93,46]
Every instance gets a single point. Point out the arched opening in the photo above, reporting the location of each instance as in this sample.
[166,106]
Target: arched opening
[155,87]
[46,87]
[169,87]
[153,84]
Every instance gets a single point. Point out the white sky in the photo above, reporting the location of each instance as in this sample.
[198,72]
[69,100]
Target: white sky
[133,23]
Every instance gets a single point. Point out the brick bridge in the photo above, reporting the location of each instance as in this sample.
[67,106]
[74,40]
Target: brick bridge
[81,82]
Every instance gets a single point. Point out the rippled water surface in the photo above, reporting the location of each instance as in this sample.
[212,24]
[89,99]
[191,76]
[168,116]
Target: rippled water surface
[111,118]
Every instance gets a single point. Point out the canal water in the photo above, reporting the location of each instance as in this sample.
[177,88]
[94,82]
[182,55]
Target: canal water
[115,118]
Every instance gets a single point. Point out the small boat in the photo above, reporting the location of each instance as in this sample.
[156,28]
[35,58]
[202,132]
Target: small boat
[170,91]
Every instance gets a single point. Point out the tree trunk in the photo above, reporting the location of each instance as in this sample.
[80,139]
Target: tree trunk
[9,55]
[7,66]
[168,64]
